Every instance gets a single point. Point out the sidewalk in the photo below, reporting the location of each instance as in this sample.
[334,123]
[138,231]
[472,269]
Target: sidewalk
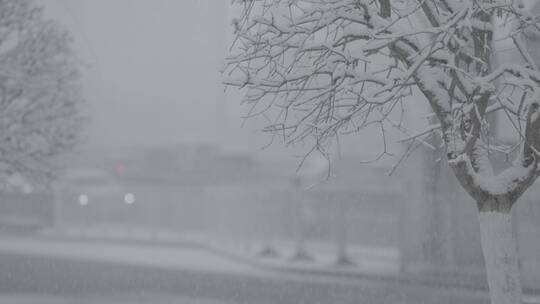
[362,261]
[372,262]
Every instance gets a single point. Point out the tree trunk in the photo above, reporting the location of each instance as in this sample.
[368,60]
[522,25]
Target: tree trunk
[341,235]
[386,8]
[300,252]
[58,205]
[500,256]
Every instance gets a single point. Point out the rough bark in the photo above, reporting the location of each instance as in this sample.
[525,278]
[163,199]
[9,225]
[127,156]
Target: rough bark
[500,256]
[386,9]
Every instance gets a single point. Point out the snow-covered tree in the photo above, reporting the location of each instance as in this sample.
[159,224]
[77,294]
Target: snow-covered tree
[321,68]
[39,91]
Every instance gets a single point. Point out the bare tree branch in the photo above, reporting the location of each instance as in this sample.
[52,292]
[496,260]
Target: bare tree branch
[328,68]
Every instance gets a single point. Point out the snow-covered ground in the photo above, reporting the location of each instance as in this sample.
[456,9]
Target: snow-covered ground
[209,260]
[366,260]
[167,257]
[107,299]
[191,250]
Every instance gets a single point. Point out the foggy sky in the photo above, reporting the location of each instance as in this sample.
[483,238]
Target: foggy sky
[151,76]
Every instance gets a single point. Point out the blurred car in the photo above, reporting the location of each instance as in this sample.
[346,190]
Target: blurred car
[92,193]
[87,186]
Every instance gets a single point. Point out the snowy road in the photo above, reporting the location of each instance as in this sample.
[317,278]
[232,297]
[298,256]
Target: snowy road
[96,299]
[59,272]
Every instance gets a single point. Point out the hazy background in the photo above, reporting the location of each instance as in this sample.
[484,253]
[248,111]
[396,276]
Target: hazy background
[152,77]
[152,69]
[166,179]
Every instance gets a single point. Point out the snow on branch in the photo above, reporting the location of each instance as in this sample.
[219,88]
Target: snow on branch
[322,68]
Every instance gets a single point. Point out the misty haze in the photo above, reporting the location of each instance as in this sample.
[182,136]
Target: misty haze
[269,151]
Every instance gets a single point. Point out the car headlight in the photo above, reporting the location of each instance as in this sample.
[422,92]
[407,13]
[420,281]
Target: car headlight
[129,198]
[83,199]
